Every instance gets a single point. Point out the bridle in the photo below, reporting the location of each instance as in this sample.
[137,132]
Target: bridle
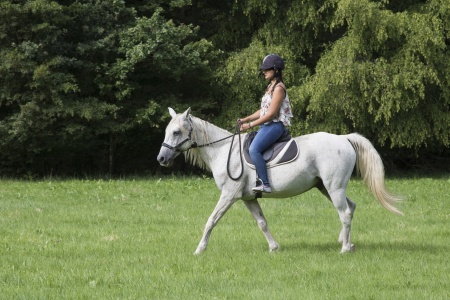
[237,131]
[177,147]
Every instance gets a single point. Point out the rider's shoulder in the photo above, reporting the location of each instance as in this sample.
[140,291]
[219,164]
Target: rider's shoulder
[280,85]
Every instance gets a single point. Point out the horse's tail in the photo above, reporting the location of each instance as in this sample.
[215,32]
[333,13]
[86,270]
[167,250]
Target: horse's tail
[370,166]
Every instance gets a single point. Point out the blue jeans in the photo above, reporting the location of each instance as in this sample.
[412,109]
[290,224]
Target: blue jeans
[266,136]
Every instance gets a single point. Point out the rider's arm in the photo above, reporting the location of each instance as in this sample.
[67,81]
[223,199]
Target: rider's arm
[252,117]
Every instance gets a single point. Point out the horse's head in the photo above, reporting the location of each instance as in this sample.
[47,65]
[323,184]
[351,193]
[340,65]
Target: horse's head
[177,139]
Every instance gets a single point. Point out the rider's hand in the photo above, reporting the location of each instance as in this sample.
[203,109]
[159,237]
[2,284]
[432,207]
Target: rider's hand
[245,127]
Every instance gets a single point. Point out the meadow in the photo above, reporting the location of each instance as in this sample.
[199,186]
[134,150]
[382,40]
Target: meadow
[135,238]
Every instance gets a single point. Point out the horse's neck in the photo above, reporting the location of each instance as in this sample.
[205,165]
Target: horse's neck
[204,133]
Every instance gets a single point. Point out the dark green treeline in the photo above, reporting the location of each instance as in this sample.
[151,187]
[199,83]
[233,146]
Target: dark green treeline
[85,85]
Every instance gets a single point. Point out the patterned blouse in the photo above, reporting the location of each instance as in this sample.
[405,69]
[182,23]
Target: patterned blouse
[285,110]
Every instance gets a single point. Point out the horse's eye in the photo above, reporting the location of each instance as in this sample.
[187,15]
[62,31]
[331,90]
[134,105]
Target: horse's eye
[176,133]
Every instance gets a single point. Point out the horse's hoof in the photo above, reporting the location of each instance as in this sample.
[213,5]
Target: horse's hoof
[351,249]
[274,248]
[198,251]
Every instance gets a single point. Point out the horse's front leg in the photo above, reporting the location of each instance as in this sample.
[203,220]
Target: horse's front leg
[221,208]
[254,207]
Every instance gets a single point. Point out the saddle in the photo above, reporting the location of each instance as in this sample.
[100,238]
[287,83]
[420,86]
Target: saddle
[283,151]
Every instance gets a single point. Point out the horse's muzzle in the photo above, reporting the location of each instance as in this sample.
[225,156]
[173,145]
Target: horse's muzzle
[165,157]
[163,161]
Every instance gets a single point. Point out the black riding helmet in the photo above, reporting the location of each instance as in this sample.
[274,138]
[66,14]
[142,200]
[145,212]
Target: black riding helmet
[272,61]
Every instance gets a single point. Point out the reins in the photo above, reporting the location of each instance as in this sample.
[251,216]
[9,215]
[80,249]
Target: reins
[194,145]
[237,131]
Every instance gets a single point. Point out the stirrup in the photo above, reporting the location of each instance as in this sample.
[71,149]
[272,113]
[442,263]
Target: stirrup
[262,188]
[258,181]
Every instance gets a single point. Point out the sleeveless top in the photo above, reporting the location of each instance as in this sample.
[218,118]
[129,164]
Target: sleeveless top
[285,112]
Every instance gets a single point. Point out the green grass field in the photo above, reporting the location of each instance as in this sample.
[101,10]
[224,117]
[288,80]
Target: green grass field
[134,239]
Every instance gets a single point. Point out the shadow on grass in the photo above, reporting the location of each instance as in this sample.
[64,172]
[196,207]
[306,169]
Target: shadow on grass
[367,246]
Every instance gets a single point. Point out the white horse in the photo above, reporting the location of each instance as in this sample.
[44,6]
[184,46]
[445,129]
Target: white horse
[326,161]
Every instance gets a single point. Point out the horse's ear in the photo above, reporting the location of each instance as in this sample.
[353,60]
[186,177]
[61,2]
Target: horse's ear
[187,113]
[172,112]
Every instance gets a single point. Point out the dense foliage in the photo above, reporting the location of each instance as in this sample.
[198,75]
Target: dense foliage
[85,85]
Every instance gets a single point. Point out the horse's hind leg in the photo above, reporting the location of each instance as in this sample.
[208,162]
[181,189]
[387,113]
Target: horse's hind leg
[345,208]
[254,207]
[345,212]
[351,207]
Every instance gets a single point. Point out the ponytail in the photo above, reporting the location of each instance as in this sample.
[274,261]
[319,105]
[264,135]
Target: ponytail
[279,78]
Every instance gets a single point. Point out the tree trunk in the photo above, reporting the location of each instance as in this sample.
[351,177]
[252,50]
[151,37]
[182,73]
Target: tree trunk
[112,152]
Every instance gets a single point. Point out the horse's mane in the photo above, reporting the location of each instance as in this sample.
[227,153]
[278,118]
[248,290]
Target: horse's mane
[200,132]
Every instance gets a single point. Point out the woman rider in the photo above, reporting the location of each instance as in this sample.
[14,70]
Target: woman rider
[272,117]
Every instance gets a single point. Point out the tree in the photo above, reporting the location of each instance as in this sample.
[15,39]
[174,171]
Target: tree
[80,80]
[387,77]
[84,86]
[377,68]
